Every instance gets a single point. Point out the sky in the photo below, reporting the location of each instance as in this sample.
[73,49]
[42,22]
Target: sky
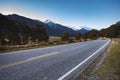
[96,14]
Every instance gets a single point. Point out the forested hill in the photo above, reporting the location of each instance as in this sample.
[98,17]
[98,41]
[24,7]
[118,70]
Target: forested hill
[112,32]
[14,33]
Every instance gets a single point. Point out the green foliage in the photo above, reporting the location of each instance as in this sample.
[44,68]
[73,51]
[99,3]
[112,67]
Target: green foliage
[78,36]
[39,33]
[93,34]
[16,33]
[112,32]
[8,31]
[65,36]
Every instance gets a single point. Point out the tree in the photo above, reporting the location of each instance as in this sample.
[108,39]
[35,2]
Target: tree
[65,36]
[93,34]
[111,32]
[78,36]
[39,33]
[14,33]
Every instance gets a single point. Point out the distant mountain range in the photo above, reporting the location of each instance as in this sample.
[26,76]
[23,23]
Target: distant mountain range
[16,30]
[53,29]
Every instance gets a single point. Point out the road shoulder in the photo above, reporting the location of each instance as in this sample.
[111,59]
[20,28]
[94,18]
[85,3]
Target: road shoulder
[105,66]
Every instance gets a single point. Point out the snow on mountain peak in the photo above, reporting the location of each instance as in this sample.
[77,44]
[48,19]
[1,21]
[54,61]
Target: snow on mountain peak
[49,21]
[87,28]
[75,28]
[53,24]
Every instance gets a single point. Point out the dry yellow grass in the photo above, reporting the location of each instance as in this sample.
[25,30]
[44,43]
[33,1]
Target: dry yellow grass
[110,68]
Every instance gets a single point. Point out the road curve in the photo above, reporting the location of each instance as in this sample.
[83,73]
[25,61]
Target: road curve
[51,63]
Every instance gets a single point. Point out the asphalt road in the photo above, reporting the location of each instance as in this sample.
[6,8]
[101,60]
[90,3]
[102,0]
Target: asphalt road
[52,63]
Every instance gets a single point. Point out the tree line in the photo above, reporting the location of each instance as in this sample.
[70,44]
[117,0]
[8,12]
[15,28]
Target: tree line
[111,32]
[15,33]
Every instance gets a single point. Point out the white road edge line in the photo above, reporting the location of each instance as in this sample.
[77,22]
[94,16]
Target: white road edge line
[69,72]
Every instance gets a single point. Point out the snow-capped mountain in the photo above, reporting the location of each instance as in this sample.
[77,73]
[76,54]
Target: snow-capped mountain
[53,29]
[75,28]
[60,28]
[87,28]
[50,23]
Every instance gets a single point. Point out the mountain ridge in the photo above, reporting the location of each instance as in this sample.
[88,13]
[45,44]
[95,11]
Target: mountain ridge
[53,29]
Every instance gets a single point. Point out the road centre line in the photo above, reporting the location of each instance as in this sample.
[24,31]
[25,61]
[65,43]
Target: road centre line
[33,58]
[29,59]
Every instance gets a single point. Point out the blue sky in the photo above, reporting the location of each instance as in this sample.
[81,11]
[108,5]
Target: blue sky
[74,13]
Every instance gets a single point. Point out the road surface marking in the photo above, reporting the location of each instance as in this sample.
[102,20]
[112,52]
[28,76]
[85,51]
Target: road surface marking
[33,58]
[29,59]
[13,52]
[69,72]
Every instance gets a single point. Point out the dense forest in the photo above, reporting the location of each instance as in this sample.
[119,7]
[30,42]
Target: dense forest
[16,33]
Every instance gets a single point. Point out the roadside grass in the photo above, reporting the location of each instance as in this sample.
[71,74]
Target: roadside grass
[110,68]
[106,66]
[4,49]
[53,41]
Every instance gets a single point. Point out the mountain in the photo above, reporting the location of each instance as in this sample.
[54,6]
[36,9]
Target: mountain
[58,29]
[83,30]
[87,28]
[112,32]
[53,29]
[29,22]
[13,32]
[50,23]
